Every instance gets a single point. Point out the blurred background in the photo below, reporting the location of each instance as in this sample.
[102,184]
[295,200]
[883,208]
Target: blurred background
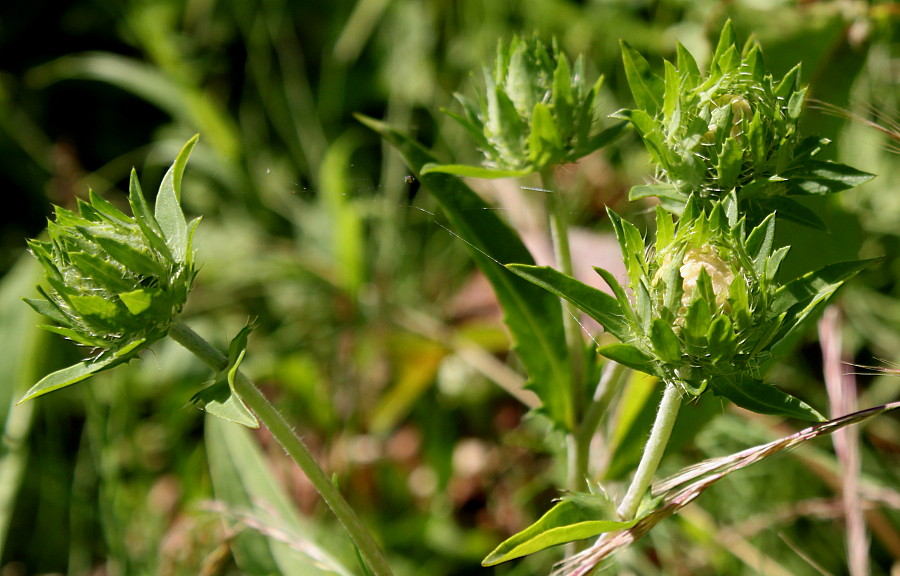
[376,337]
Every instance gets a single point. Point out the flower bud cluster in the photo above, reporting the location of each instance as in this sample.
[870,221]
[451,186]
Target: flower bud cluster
[702,296]
[734,130]
[111,283]
[535,111]
[115,282]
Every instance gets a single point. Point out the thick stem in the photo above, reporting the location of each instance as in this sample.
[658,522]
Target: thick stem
[653,452]
[559,235]
[292,444]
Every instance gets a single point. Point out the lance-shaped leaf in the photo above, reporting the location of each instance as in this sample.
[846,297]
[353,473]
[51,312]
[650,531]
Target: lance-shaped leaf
[575,517]
[468,171]
[533,315]
[78,372]
[595,303]
[168,204]
[801,299]
[763,398]
[817,177]
[647,88]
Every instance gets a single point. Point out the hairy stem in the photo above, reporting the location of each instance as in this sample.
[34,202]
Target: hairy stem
[653,452]
[292,444]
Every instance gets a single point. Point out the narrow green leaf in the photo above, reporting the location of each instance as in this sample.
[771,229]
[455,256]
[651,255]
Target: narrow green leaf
[595,303]
[671,110]
[79,372]
[605,136]
[729,61]
[48,309]
[696,323]
[220,398]
[563,99]
[77,336]
[813,285]
[632,244]
[575,517]
[618,292]
[105,207]
[795,104]
[168,204]
[727,42]
[790,210]
[647,88]
[665,229]
[739,299]
[544,141]
[803,298]
[818,177]
[788,84]
[687,68]
[130,256]
[474,171]
[760,242]
[755,64]
[533,315]
[145,218]
[762,398]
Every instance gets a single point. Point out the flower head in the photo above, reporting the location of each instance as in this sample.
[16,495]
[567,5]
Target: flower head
[706,310]
[535,111]
[115,283]
[733,131]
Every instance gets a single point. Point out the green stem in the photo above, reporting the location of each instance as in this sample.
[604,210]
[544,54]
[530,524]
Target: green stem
[653,452]
[559,235]
[292,444]
[612,376]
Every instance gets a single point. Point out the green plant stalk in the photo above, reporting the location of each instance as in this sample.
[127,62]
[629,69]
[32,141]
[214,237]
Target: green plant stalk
[559,235]
[653,452]
[610,380]
[293,445]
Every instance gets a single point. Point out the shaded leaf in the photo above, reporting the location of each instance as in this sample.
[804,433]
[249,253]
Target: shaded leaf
[474,171]
[271,538]
[818,177]
[762,398]
[595,303]
[533,315]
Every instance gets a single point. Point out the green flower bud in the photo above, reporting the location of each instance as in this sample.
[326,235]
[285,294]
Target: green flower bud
[702,296]
[535,111]
[115,283]
[736,129]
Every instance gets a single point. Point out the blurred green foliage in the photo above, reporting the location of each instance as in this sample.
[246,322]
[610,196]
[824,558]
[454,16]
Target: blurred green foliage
[373,335]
